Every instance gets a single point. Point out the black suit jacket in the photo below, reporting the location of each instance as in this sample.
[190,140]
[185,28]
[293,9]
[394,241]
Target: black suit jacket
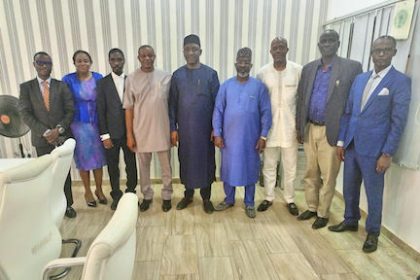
[343,74]
[111,115]
[36,116]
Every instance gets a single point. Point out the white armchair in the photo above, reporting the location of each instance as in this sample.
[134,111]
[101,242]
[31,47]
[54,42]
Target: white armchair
[29,237]
[112,253]
[62,158]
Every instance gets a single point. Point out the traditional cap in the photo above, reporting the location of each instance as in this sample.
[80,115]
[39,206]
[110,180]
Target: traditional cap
[244,52]
[192,39]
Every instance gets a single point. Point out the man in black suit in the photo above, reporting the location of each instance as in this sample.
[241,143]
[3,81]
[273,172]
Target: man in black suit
[111,118]
[46,106]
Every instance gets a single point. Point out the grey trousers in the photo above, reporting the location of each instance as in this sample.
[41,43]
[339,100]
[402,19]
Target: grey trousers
[144,160]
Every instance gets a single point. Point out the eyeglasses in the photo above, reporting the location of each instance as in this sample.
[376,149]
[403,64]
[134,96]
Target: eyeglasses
[43,63]
[385,51]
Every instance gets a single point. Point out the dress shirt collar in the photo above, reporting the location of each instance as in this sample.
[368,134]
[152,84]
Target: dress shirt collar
[115,76]
[382,73]
[40,81]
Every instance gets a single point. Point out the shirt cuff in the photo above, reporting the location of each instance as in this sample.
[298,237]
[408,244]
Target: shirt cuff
[105,137]
[340,143]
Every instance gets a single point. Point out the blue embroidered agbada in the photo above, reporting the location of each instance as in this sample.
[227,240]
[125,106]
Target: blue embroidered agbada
[242,115]
[191,103]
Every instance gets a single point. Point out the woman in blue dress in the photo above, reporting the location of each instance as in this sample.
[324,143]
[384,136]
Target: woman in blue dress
[89,153]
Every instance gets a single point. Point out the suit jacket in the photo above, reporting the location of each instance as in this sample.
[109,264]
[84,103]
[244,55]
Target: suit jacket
[377,128]
[111,115]
[343,73]
[36,116]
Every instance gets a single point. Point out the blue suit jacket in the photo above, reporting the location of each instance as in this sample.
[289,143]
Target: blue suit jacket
[378,127]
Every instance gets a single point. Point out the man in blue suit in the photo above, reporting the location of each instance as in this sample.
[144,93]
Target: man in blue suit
[370,130]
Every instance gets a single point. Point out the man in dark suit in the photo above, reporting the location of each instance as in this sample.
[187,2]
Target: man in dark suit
[46,106]
[111,117]
[370,131]
[322,95]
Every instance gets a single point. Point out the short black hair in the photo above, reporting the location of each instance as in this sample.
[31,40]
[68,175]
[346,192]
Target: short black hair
[114,50]
[388,37]
[41,53]
[81,51]
[331,31]
[145,46]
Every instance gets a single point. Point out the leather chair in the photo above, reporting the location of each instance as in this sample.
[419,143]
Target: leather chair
[62,156]
[112,253]
[29,237]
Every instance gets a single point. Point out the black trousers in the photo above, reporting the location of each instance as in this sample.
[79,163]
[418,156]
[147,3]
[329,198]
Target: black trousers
[204,192]
[67,184]
[113,160]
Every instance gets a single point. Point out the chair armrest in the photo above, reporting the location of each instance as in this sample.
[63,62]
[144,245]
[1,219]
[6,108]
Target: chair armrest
[63,262]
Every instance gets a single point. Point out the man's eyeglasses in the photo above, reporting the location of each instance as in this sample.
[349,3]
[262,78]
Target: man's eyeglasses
[385,51]
[43,63]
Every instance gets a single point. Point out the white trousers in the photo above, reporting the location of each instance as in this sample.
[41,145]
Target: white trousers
[288,158]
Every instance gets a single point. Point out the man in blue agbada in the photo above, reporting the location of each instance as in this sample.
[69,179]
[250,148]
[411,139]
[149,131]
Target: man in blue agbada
[191,102]
[241,121]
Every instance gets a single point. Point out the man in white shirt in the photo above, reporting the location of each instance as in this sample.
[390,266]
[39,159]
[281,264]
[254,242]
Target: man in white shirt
[111,119]
[281,78]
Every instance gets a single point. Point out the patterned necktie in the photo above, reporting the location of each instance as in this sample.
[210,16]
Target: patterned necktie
[366,91]
[46,94]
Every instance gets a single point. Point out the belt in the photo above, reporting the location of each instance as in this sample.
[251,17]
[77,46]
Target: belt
[317,123]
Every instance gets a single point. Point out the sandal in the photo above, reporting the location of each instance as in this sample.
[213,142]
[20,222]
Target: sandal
[102,200]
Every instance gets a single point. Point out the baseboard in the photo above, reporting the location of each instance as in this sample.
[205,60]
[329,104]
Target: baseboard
[399,242]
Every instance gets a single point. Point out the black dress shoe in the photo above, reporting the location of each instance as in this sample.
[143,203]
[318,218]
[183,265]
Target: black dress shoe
[183,203]
[343,227]
[114,204]
[208,206]
[70,212]
[166,205]
[306,215]
[293,209]
[145,205]
[264,205]
[371,243]
[320,223]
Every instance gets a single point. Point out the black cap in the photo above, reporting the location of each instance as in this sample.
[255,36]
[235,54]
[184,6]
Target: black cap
[192,39]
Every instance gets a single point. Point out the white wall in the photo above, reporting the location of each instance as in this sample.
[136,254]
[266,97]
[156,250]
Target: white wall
[339,8]
[401,209]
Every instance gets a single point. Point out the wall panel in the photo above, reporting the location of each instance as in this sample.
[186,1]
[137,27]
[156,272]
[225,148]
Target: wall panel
[61,27]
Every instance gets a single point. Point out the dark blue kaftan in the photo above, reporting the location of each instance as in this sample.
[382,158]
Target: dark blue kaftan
[191,102]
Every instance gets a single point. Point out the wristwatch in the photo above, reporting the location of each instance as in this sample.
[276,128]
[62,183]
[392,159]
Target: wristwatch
[61,129]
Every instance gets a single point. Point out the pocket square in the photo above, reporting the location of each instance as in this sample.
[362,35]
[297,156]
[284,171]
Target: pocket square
[383,92]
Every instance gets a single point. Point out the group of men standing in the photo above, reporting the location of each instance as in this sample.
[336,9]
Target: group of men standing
[327,106]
